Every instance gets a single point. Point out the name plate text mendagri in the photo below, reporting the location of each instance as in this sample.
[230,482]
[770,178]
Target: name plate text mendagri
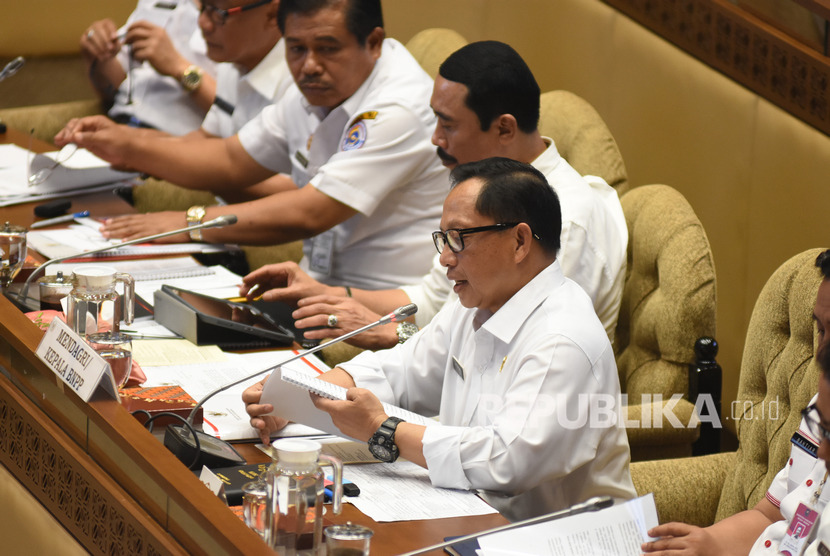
[74,361]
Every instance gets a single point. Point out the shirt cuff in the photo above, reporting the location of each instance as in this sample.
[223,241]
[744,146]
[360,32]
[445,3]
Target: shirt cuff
[442,452]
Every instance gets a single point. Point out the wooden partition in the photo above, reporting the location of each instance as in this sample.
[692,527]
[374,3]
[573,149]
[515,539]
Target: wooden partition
[111,484]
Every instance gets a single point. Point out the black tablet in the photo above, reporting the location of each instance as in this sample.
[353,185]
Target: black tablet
[203,319]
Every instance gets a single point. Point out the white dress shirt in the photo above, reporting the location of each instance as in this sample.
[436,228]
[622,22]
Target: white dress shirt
[594,241]
[372,153]
[154,99]
[520,426]
[241,95]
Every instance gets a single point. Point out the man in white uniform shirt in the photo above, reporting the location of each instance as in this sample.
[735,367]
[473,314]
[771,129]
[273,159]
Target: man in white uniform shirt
[802,483]
[354,136]
[509,367]
[154,71]
[487,103]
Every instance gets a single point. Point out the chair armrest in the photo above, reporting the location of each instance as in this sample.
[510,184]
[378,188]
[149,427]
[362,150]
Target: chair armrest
[652,434]
[685,489]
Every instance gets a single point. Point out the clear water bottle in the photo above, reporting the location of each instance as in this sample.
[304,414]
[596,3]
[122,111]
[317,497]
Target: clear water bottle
[294,486]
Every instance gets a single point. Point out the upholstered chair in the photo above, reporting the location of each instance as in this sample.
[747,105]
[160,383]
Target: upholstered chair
[778,378]
[582,138]
[432,46]
[46,120]
[668,303]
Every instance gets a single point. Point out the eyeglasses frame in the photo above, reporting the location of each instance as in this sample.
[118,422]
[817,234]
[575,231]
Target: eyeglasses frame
[223,14]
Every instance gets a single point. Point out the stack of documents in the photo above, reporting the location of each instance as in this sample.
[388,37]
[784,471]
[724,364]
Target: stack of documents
[81,171]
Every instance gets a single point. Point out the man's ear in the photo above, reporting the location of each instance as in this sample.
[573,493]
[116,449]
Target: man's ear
[524,239]
[374,42]
[272,12]
[507,127]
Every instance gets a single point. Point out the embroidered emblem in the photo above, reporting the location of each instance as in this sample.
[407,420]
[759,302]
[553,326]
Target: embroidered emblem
[355,137]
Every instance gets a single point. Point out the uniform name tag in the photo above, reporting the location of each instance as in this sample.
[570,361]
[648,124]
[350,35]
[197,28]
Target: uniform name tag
[75,362]
[322,252]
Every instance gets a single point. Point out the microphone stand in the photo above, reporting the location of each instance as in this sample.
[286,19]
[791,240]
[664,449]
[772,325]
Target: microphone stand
[590,505]
[219,222]
[205,449]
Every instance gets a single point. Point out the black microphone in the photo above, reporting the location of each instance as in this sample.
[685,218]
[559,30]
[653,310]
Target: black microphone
[213,452]
[590,505]
[11,68]
[225,220]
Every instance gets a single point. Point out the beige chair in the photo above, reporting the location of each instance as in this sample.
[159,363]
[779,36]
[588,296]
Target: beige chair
[582,138]
[778,378]
[432,46]
[668,303]
[46,120]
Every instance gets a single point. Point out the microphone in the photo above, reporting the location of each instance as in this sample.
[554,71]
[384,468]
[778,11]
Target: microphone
[225,220]
[209,450]
[11,68]
[591,505]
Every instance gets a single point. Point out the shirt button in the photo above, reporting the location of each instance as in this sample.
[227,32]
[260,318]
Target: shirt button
[767,544]
[791,461]
[809,482]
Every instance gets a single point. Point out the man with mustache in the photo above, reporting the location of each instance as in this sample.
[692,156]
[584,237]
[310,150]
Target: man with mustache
[487,103]
[353,133]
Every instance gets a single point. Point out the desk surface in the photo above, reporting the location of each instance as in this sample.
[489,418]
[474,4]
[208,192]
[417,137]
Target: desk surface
[114,460]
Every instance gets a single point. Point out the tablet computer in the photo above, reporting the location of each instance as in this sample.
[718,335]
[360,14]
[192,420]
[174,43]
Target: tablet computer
[203,319]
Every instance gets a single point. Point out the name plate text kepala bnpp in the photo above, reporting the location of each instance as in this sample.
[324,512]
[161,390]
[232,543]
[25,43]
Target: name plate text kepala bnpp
[74,361]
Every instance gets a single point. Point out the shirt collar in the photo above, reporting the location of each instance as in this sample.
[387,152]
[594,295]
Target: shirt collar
[268,73]
[549,159]
[505,323]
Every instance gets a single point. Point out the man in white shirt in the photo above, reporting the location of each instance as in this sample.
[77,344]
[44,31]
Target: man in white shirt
[763,528]
[487,103]
[510,367]
[353,134]
[154,71]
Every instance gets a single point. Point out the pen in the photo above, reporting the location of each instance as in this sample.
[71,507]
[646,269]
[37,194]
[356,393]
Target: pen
[244,299]
[59,219]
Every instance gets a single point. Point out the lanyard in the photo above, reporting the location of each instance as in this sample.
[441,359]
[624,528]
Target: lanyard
[817,493]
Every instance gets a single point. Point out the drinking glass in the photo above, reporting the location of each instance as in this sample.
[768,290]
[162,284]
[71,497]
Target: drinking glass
[117,350]
[254,504]
[348,540]
[12,253]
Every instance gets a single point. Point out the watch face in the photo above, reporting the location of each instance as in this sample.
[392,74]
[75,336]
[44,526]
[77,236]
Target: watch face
[380,452]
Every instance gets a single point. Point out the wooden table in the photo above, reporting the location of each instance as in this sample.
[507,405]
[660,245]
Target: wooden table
[111,483]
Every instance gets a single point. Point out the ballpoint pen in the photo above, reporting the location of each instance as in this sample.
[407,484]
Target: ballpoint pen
[244,299]
[59,219]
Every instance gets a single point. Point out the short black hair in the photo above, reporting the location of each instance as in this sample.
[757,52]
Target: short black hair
[513,191]
[823,263]
[362,16]
[498,82]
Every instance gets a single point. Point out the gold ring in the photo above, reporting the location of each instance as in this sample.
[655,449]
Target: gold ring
[90,33]
[332,321]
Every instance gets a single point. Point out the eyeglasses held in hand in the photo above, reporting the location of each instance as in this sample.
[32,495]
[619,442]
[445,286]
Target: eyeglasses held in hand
[43,174]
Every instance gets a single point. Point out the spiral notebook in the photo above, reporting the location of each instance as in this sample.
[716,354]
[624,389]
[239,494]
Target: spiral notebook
[281,393]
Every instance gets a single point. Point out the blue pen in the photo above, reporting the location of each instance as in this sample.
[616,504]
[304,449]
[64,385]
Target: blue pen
[59,219]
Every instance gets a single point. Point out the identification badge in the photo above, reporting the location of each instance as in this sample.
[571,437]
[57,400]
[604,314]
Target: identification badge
[322,252]
[799,531]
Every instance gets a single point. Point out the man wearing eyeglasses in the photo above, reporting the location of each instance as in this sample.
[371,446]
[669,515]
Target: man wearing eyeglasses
[801,484]
[487,103]
[511,368]
[154,71]
[354,136]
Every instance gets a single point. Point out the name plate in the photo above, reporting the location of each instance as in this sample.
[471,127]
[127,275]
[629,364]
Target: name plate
[75,362]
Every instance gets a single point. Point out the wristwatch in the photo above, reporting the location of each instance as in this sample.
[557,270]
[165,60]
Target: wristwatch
[194,216]
[382,444]
[191,78]
[405,331]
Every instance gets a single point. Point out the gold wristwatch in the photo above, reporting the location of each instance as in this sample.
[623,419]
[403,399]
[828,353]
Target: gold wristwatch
[195,215]
[191,78]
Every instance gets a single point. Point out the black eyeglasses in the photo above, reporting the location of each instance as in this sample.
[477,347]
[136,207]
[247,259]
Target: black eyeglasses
[812,417]
[455,238]
[219,16]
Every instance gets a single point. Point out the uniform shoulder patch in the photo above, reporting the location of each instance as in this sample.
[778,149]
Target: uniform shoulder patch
[355,137]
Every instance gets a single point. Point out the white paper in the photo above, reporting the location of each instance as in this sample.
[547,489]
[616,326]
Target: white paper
[402,491]
[293,402]
[615,531]
[224,414]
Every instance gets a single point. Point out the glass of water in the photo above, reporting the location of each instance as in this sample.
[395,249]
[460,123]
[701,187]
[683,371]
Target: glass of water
[117,350]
